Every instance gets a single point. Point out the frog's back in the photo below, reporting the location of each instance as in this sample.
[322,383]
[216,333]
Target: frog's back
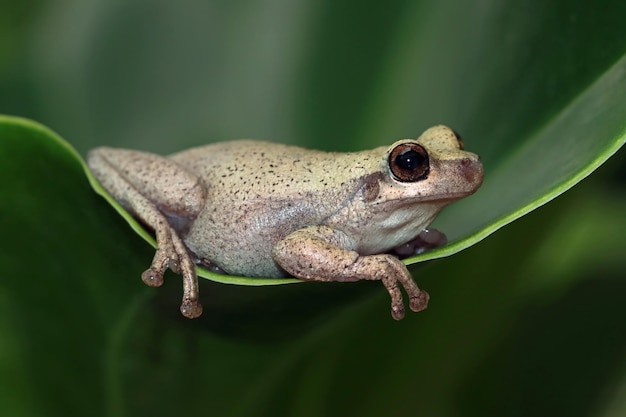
[248,170]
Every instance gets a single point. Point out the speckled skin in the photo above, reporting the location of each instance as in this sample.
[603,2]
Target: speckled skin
[267,210]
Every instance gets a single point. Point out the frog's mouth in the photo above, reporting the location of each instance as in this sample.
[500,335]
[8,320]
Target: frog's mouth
[446,198]
[426,202]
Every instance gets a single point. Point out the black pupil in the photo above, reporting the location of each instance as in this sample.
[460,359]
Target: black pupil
[410,159]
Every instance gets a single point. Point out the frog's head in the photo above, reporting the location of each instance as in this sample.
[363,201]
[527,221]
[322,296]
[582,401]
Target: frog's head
[432,168]
[416,179]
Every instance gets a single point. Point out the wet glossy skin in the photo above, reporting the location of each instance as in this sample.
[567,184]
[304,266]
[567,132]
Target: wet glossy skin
[262,209]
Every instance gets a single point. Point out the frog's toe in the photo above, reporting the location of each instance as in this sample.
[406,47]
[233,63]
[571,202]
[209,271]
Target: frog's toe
[152,277]
[419,301]
[397,311]
[165,257]
[191,308]
[397,306]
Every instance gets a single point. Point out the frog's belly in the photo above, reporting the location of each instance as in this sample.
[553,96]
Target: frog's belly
[248,264]
[241,242]
[236,254]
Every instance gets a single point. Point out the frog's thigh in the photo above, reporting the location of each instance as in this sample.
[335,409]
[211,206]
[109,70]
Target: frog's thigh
[319,253]
[161,181]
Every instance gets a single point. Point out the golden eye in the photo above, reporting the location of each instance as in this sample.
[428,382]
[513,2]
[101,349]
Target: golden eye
[409,162]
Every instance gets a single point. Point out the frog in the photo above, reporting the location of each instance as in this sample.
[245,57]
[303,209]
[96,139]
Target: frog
[262,209]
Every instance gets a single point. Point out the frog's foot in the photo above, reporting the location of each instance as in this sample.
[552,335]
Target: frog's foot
[393,273]
[427,240]
[171,253]
[418,301]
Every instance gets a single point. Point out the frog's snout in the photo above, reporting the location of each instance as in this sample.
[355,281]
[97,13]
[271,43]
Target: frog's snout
[472,171]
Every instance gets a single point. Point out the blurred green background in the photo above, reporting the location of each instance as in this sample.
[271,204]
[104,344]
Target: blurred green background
[530,321]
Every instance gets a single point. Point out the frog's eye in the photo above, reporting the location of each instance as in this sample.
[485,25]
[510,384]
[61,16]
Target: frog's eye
[459,139]
[409,162]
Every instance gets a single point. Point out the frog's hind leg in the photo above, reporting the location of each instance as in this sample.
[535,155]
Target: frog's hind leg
[319,253]
[123,173]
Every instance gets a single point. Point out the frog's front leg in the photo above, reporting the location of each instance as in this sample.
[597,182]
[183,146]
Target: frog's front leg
[320,253]
[167,198]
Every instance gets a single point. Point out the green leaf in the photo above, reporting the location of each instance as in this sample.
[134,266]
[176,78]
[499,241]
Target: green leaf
[536,89]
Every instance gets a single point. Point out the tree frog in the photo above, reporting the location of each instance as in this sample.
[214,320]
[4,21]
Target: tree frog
[263,209]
